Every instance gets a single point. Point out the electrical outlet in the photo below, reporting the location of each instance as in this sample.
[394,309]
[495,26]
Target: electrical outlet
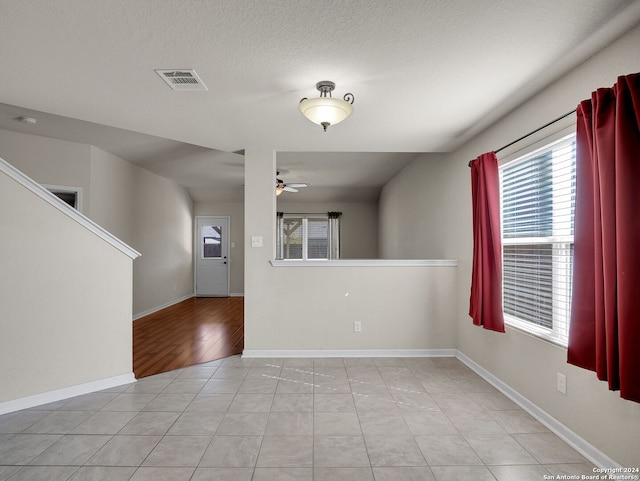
[357,326]
[256,241]
[562,383]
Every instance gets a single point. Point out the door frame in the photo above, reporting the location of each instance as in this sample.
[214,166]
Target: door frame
[196,244]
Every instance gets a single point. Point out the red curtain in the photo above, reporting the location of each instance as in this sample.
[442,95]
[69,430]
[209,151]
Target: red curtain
[604,334]
[485,305]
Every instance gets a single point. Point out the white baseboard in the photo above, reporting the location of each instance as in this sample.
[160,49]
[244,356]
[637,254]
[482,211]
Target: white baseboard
[590,452]
[281,353]
[163,306]
[64,393]
[236,294]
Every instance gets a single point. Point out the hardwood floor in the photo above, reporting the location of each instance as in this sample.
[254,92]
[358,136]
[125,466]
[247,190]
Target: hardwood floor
[194,331]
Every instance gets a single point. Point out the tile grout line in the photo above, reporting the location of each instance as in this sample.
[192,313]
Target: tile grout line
[401,406]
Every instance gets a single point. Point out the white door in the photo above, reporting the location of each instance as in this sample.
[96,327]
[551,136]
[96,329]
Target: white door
[212,262]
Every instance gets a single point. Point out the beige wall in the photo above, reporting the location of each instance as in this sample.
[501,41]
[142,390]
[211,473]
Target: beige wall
[111,193]
[235,211]
[313,308]
[412,217]
[260,304]
[146,211]
[163,234]
[525,363]
[50,161]
[359,226]
[65,299]
[154,216]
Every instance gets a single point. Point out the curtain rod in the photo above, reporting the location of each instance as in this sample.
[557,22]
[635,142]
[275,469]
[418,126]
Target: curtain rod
[532,132]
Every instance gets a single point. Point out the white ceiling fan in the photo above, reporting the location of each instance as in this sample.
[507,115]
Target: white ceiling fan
[282,187]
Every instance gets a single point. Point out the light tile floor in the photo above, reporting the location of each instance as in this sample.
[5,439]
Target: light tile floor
[384,419]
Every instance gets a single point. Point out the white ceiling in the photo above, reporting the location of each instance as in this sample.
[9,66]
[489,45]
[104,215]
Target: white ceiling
[427,75]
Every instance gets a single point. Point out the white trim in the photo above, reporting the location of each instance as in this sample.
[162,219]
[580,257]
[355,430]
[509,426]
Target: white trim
[589,451]
[65,393]
[565,127]
[306,353]
[367,263]
[62,206]
[163,306]
[305,231]
[533,330]
[236,294]
[560,145]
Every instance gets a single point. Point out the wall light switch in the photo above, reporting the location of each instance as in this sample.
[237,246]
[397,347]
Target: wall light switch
[256,241]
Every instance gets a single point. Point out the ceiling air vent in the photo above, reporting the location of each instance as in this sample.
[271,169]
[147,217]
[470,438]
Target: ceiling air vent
[182,79]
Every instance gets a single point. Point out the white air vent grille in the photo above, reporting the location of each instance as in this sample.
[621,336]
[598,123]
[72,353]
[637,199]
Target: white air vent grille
[182,79]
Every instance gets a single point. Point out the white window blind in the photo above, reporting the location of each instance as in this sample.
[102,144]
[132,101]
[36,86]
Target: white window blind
[537,209]
[304,236]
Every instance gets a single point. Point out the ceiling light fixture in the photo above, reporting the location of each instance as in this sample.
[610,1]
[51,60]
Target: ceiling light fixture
[325,110]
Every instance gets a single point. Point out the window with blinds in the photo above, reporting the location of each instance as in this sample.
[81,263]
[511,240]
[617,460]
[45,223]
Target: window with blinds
[537,193]
[304,237]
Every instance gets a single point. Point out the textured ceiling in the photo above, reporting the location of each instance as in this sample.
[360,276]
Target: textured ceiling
[426,74]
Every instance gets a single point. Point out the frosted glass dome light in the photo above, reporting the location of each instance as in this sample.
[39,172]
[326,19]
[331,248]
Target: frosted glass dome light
[325,110]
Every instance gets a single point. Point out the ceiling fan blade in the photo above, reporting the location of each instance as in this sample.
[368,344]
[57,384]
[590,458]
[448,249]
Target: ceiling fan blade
[298,186]
[290,189]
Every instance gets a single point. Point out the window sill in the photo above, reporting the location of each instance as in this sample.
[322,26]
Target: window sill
[367,263]
[533,331]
